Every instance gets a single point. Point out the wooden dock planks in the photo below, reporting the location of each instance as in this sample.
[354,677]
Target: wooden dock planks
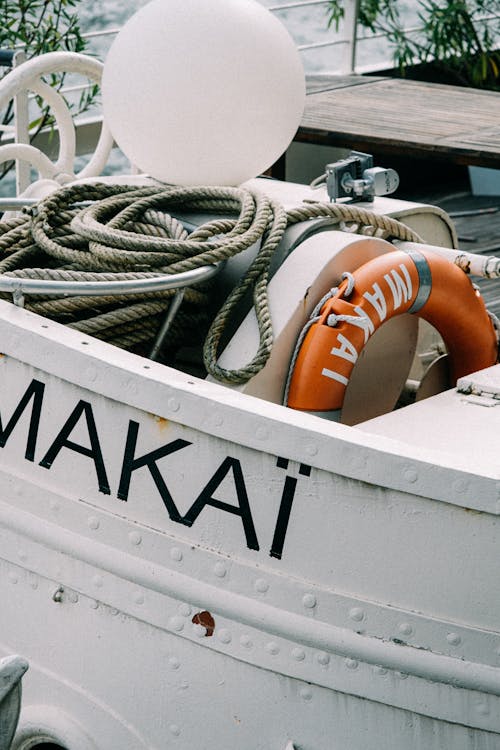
[398,116]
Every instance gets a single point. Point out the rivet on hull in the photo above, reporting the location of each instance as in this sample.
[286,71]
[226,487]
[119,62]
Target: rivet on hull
[323,658]
[173,404]
[220,570]
[410,475]
[405,628]
[309,601]
[176,554]
[176,623]
[261,586]
[298,654]
[224,636]
[272,648]
[306,693]
[356,614]
[135,538]
[453,639]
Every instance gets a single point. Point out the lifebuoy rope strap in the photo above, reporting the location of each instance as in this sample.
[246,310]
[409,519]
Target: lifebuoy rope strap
[397,282]
[129,232]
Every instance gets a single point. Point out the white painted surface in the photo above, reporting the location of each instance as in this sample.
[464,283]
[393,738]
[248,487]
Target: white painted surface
[352,590]
[364,562]
[451,423]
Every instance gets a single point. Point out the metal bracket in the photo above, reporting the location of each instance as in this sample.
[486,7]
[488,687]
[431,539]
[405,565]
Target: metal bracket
[356,178]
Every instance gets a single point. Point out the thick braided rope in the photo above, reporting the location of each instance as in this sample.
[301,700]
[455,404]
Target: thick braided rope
[361,216]
[107,227]
[129,229]
[57,245]
[256,278]
[128,232]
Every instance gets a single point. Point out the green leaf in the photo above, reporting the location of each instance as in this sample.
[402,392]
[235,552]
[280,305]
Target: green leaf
[42,26]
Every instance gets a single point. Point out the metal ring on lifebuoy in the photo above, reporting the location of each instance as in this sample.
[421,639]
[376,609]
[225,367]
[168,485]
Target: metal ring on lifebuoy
[420,282]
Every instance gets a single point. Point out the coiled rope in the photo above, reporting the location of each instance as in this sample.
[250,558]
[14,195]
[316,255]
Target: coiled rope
[130,233]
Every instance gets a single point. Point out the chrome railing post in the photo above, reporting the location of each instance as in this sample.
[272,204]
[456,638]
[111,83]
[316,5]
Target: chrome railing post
[21,127]
[348,63]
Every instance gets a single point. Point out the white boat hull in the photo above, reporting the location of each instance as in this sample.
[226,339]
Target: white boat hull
[349,578]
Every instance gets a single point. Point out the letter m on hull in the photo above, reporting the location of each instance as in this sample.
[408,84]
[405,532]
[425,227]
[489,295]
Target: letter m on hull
[400,285]
[33,393]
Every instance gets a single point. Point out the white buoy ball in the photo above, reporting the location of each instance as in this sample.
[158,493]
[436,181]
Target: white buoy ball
[203,92]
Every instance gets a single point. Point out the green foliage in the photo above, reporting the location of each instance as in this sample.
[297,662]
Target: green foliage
[453,35]
[37,27]
[40,26]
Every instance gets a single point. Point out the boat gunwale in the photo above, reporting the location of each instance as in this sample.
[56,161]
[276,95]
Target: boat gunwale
[267,427]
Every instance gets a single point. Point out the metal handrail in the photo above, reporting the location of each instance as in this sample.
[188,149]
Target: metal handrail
[317,45]
[296,4]
[18,287]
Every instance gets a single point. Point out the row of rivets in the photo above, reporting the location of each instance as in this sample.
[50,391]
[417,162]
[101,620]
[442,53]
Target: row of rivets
[224,635]
[177,624]
[459,485]
[261,586]
[357,614]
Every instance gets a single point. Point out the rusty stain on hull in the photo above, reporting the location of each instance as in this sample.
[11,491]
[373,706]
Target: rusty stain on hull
[206,620]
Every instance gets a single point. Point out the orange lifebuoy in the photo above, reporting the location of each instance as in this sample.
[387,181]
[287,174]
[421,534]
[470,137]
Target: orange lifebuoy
[422,283]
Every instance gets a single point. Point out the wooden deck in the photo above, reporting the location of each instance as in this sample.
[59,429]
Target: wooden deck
[404,118]
[477,221]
